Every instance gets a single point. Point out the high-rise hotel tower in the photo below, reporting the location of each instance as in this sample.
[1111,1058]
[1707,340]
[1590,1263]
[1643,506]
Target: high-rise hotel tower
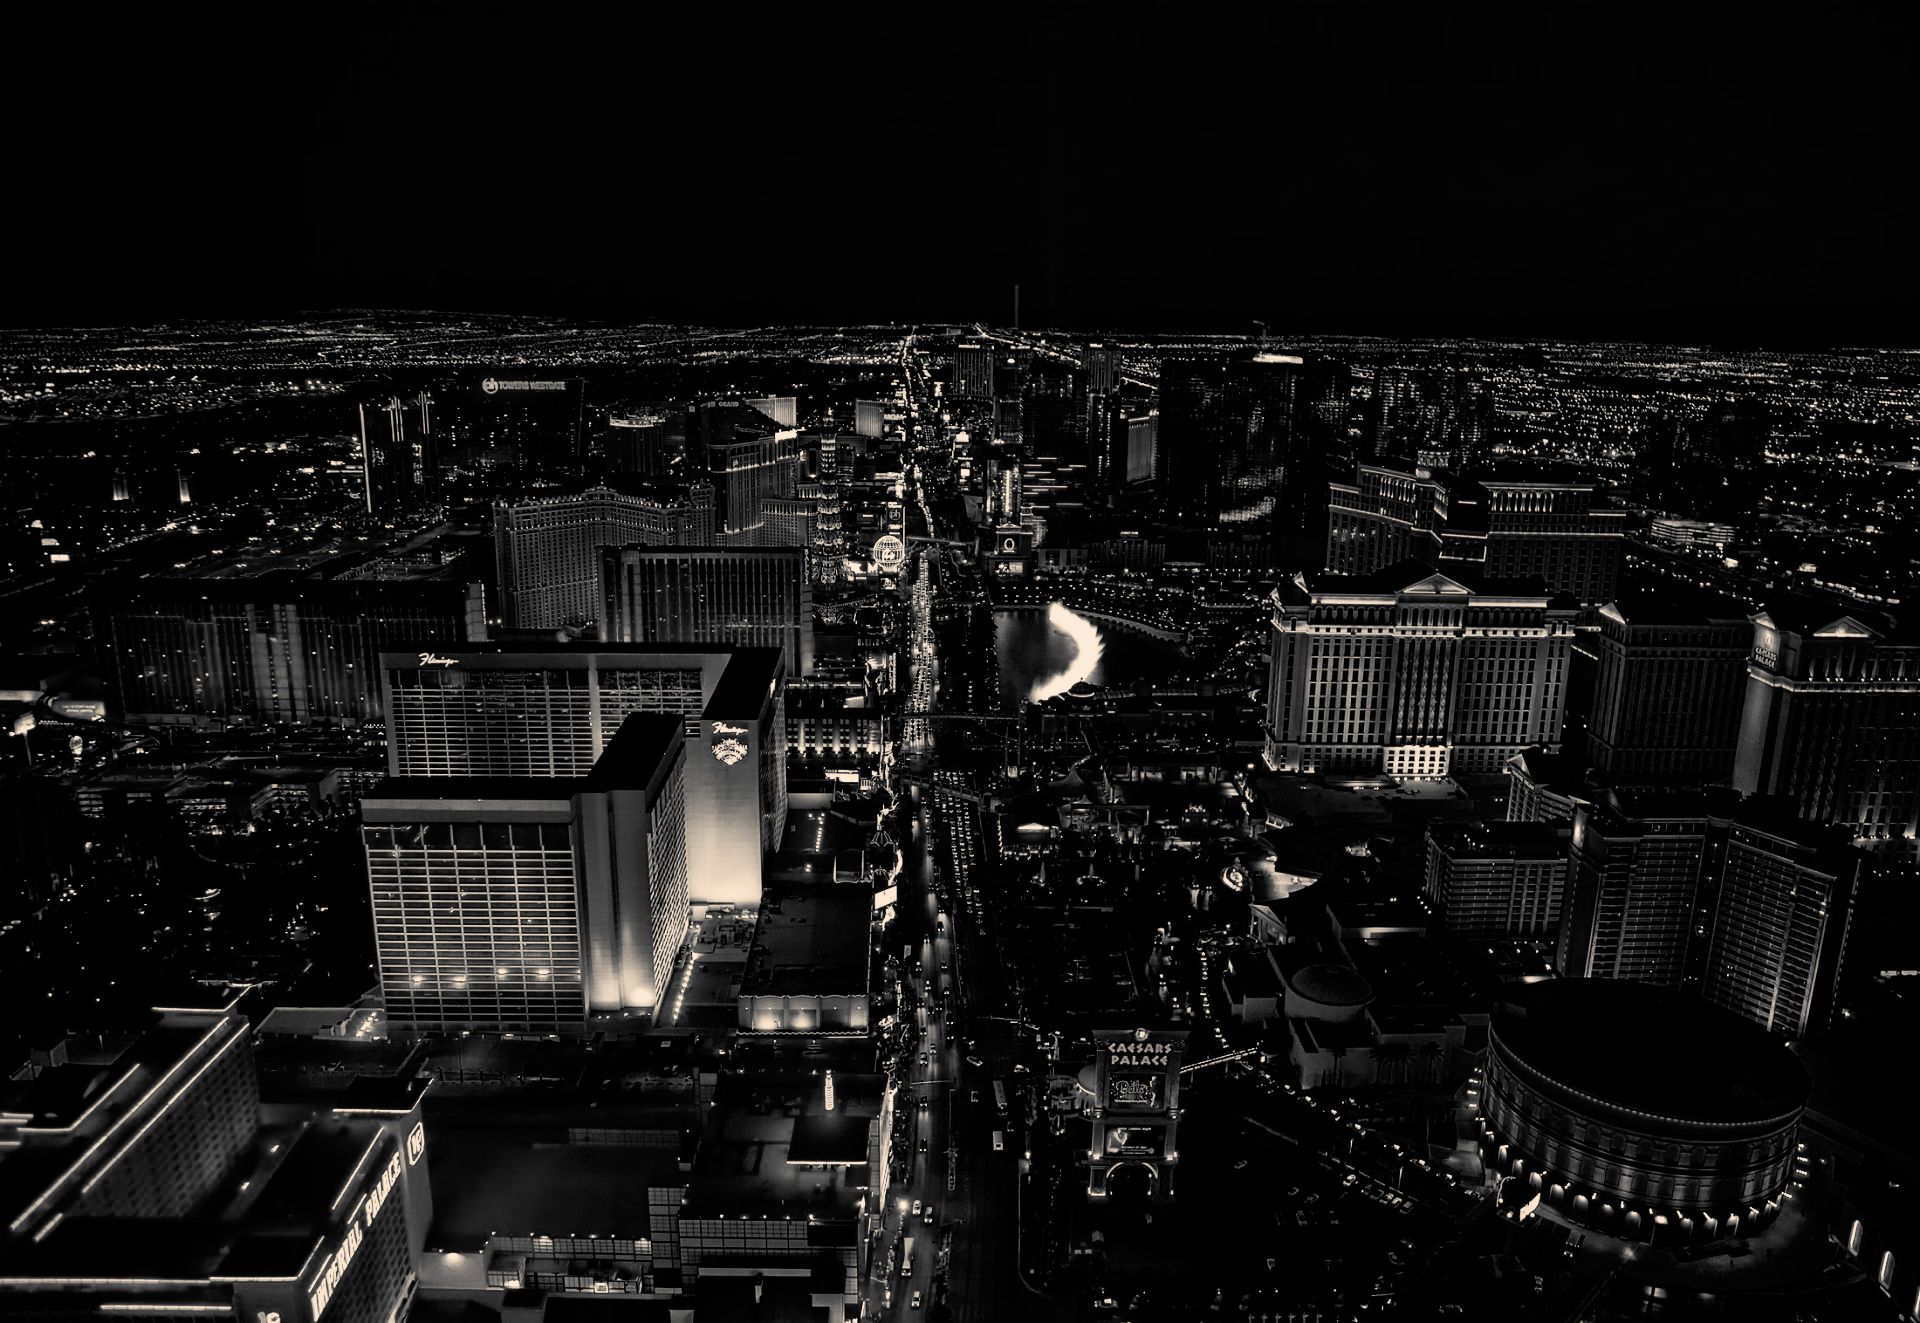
[1414,674]
[1832,719]
[546,710]
[527,903]
[548,548]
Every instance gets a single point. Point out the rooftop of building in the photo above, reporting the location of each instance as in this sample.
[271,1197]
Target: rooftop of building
[77,1091]
[1529,474]
[1801,613]
[562,1307]
[1664,804]
[742,1297]
[1674,604]
[526,1181]
[1534,475]
[1306,799]
[1556,771]
[1774,817]
[1660,1052]
[772,1149]
[820,846]
[545,793]
[1330,984]
[267,1220]
[1545,841]
[747,683]
[369,1075]
[1251,974]
[1092,968]
[810,940]
[80,1073]
[850,698]
[1413,578]
[1337,1036]
[641,754]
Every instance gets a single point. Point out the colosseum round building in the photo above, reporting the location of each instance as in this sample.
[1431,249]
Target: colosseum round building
[1639,1111]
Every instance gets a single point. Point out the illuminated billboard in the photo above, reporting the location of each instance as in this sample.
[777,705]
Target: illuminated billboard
[1136,1142]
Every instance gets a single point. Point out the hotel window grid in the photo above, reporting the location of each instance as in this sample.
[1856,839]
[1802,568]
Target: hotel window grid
[1769,937]
[1413,689]
[193,1143]
[549,550]
[667,879]
[470,721]
[477,924]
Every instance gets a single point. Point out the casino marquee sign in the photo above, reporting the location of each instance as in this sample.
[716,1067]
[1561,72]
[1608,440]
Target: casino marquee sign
[1143,1053]
[1139,1070]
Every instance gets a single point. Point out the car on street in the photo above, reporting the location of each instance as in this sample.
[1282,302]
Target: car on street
[915,1304]
[916,1208]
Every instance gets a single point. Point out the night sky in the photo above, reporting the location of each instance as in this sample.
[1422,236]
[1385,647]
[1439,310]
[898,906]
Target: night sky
[1588,170]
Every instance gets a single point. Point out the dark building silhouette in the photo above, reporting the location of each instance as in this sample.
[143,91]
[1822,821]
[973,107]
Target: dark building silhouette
[747,596]
[651,444]
[1255,440]
[508,421]
[1782,913]
[1638,863]
[1193,424]
[278,647]
[548,549]
[1710,467]
[1441,420]
[399,455]
[1670,682]
[1101,365]
[973,370]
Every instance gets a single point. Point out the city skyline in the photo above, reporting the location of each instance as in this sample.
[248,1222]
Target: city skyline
[1082,663]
